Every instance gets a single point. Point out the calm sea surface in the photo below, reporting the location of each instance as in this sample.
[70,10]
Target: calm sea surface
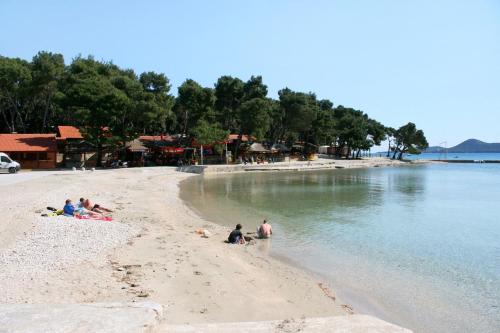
[418,246]
[456,156]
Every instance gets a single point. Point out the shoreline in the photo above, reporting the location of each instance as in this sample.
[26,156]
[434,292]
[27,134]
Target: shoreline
[388,301]
[162,259]
[299,166]
[355,302]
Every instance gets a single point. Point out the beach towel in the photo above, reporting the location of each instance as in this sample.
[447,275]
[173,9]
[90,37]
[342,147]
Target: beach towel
[86,217]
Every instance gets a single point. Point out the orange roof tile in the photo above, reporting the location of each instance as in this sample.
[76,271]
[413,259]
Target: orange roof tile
[69,132]
[28,143]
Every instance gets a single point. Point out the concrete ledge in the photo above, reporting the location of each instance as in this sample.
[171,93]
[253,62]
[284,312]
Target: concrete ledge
[339,324]
[93,317]
[237,168]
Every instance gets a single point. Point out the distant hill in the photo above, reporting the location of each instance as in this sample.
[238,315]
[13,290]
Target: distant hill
[434,149]
[468,146]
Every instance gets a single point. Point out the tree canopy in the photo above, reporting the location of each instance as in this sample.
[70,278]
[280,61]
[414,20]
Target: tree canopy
[112,105]
[409,139]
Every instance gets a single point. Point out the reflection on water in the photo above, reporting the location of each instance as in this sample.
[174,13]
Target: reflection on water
[421,242]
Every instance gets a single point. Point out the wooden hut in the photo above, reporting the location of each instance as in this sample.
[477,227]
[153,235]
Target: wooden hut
[32,151]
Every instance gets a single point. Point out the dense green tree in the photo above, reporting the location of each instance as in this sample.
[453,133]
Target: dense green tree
[254,88]
[205,133]
[47,71]
[15,81]
[194,103]
[156,103]
[94,102]
[254,95]
[276,128]
[112,105]
[323,129]
[409,139]
[255,117]
[299,112]
[229,93]
[351,129]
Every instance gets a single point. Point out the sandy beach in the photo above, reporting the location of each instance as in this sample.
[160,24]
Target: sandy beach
[150,251]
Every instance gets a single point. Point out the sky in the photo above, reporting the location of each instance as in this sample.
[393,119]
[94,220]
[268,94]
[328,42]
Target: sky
[432,62]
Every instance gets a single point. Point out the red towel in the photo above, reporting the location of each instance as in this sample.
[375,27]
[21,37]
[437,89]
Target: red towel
[87,217]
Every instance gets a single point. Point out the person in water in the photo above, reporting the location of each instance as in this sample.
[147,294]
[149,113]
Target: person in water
[236,237]
[265,230]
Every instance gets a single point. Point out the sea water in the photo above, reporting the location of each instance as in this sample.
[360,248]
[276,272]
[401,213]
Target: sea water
[455,156]
[418,246]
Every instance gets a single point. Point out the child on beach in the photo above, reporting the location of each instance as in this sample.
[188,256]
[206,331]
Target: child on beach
[69,209]
[236,237]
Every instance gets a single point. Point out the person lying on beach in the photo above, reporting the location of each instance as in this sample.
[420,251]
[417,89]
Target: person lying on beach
[236,237]
[87,204]
[70,210]
[265,230]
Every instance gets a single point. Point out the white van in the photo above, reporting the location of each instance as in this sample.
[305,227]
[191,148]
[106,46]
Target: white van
[7,164]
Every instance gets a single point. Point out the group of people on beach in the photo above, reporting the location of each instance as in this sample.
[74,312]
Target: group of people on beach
[263,231]
[85,207]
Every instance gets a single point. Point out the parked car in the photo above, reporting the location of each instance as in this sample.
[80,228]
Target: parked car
[8,164]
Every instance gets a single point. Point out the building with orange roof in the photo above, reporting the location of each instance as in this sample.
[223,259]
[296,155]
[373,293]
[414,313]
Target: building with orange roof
[69,132]
[32,151]
[74,150]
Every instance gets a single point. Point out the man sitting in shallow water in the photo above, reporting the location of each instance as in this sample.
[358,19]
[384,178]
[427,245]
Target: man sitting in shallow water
[236,237]
[265,230]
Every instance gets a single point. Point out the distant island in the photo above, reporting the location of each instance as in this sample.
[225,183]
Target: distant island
[468,146]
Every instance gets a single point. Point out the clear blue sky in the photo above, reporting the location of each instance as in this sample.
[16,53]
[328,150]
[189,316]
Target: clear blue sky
[436,63]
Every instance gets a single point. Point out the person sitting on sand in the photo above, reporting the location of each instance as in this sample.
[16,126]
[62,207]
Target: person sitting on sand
[265,230]
[69,209]
[80,204]
[87,204]
[236,237]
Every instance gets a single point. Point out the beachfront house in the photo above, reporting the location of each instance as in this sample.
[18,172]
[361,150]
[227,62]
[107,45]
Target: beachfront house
[33,151]
[73,149]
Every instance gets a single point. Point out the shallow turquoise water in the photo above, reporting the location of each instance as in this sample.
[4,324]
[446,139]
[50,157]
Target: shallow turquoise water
[418,246]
